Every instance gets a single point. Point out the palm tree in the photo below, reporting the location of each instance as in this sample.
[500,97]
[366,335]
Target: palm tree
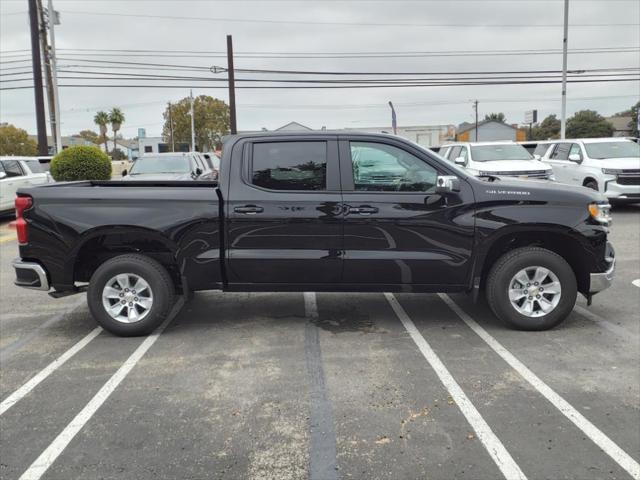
[102,119]
[116,118]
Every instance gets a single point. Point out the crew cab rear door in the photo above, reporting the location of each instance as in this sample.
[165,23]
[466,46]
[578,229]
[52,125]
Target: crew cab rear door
[397,229]
[284,212]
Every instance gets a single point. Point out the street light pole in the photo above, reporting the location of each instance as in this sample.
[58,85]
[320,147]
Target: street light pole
[173,145]
[54,20]
[563,114]
[475,107]
[232,86]
[193,131]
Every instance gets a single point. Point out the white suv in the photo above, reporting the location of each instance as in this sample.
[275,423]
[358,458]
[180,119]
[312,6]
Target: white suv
[506,159]
[609,165]
[17,172]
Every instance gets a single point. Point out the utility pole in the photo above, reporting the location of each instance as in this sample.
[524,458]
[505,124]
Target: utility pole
[394,120]
[37,78]
[232,86]
[54,20]
[475,107]
[565,41]
[173,145]
[193,131]
[44,51]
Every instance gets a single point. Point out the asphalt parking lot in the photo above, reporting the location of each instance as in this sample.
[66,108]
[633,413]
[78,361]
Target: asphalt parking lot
[323,386]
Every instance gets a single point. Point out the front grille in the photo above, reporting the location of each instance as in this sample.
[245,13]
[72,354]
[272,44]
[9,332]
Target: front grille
[629,177]
[525,173]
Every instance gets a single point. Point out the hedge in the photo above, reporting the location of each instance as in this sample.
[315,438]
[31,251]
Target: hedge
[81,162]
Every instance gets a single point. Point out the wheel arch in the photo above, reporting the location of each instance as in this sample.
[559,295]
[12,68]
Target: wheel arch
[100,244]
[558,240]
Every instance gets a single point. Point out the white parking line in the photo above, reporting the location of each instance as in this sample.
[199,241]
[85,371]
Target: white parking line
[20,393]
[53,451]
[636,282]
[589,429]
[490,441]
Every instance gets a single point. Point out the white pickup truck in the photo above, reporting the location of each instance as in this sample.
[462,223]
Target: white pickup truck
[18,172]
[608,165]
[501,159]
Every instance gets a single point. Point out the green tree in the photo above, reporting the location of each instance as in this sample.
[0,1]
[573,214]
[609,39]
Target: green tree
[90,136]
[633,124]
[548,129]
[116,118]
[498,117]
[102,119]
[588,123]
[211,122]
[81,162]
[16,141]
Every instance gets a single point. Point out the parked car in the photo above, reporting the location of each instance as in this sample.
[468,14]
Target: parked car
[170,166]
[608,165]
[17,172]
[503,159]
[289,213]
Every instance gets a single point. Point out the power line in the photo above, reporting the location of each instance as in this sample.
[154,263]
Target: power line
[350,24]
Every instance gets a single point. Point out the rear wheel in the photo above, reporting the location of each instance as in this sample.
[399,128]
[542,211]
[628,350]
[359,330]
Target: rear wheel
[130,294]
[531,288]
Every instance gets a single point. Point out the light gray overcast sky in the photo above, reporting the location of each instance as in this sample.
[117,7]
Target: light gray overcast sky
[382,27]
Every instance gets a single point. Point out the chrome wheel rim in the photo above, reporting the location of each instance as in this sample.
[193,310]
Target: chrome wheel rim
[127,298]
[535,291]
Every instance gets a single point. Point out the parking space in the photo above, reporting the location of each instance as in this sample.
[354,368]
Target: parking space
[323,386]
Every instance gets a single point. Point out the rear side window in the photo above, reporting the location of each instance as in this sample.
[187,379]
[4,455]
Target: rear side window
[12,168]
[35,166]
[541,149]
[561,151]
[290,165]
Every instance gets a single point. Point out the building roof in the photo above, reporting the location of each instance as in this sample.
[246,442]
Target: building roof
[464,127]
[293,126]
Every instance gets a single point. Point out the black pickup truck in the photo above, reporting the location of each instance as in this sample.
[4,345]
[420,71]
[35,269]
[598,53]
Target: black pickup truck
[316,212]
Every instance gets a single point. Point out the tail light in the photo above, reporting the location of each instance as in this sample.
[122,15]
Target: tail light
[22,204]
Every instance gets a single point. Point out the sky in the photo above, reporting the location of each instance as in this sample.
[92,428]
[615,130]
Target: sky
[392,30]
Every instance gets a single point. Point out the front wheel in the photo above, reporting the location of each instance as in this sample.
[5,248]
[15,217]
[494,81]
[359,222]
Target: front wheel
[130,295]
[531,288]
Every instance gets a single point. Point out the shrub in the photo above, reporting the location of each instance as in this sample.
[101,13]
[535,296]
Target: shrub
[81,162]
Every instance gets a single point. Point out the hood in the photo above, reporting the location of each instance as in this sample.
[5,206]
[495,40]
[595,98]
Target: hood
[145,177]
[511,166]
[628,163]
[526,190]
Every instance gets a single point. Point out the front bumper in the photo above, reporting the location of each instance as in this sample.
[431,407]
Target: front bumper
[614,190]
[30,275]
[602,281]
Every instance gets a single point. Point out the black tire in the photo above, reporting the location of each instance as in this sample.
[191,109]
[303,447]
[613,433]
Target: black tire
[148,269]
[592,184]
[507,266]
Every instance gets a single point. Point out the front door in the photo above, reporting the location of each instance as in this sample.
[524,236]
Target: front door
[284,213]
[559,161]
[398,230]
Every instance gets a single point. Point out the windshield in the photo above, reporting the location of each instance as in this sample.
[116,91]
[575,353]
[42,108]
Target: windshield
[163,164]
[507,151]
[602,150]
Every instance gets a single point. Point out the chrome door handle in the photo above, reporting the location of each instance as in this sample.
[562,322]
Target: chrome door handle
[363,210]
[249,209]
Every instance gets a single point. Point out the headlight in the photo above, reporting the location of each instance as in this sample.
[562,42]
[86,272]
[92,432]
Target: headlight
[611,171]
[600,212]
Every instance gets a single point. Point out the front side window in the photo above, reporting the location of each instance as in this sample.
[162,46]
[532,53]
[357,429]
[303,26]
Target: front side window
[290,165]
[621,149]
[12,168]
[507,151]
[161,164]
[35,166]
[541,149]
[454,153]
[384,168]
[575,150]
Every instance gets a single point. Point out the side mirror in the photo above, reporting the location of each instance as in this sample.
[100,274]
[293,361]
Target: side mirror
[124,172]
[198,172]
[3,175]
[460,161]
[447,184]
[574,157]
[537,157]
